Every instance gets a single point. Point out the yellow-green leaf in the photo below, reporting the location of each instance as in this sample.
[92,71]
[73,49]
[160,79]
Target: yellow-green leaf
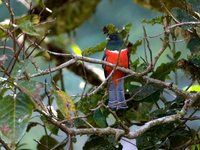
[4,25]
[194,88]
[98,48]
[65,104]
[76,49]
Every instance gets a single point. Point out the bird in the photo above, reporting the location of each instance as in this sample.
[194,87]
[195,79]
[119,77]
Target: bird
[116,53]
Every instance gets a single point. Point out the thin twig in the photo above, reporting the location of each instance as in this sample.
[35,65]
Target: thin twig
[7,47]
[12,18]
[148,46]
[47,71]
[101,85]
[4,144]
[117,119]
[182,24]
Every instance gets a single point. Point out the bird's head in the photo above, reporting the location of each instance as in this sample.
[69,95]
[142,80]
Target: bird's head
[115,41]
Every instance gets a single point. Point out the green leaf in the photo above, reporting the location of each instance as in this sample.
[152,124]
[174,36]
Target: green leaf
[31,125]
[14,116]
[109,29]
[177,55]
[98,48]
[4,25]
[33,87]
[34,19]
[100,118]
[128,27]
[5,86]
[194,4]
[21,68]
[147,92]
[87,103]
[142,114]
[135,63]
[156,20]
[28,28]
[41,3]
[183,16]
[179,137]
[194,60]
[193,88]
[191,67]
[125,31]
[161,112]
[163,71]
[79,123]
[102,143]
[151,138]
[65,104]
[48,142]
[193,45]
[52,128]
[135,46]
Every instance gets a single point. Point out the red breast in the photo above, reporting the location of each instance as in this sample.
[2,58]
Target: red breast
[112,57]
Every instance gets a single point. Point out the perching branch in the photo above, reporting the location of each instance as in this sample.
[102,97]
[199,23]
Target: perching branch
[75,58]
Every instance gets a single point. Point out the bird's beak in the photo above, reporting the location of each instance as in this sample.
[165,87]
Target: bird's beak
[107,38]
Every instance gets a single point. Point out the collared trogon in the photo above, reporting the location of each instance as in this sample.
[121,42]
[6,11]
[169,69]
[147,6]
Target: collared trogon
[116,52]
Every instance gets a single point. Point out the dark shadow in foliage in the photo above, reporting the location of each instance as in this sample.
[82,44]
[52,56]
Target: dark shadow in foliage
[165,136]
[48,142]
[102,143]
[69,14]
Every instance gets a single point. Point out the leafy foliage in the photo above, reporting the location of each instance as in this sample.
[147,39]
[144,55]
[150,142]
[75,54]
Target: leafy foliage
[65,104]
[156,20]
[87,103]
[133,48]
[147,92]
[99,118]
[193,88]
[193,45]
[142,114]
[110,28]
[104,143]
[157,138]
[15,116]
[52,128]
[48,142]
[163,71]
[98,48]
[75,12]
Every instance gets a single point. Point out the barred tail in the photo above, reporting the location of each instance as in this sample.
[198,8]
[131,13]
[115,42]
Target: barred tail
[116,95]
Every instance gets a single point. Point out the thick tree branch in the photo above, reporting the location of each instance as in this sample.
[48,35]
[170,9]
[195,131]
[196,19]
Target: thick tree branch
[114,131]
